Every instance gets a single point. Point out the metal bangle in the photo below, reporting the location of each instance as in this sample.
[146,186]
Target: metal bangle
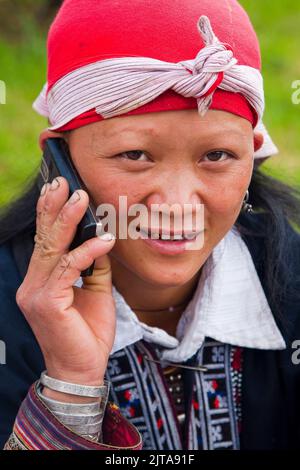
[79,419]
[87,428]
[76,412]
[83,418]
[70,408]
[74,389]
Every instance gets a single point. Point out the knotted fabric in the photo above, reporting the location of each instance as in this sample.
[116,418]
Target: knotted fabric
[116,86]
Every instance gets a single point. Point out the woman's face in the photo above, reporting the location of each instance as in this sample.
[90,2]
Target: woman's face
[167,157]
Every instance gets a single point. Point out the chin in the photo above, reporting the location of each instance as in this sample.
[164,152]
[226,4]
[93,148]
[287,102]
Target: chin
[166,276]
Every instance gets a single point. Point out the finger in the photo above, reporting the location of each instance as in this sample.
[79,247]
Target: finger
[50,203]
[71,264]
[40,204]
[51,243]
[101,279]
[98,311]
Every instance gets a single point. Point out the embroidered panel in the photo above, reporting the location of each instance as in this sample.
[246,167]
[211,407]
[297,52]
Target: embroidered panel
[212,398]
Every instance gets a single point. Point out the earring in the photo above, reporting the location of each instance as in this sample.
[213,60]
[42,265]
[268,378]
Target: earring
[248,208]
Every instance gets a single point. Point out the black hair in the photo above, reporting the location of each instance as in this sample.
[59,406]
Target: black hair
[19,215]
[277,224]
[278,201]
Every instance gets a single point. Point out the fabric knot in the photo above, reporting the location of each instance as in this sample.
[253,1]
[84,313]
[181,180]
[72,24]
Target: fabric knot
[209,65]
[116,86]
[208,72]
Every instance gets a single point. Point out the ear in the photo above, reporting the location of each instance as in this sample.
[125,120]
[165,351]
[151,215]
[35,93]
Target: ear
[46,134]
[258,140]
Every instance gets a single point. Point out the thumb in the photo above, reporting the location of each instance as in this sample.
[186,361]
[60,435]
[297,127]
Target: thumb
[101,279]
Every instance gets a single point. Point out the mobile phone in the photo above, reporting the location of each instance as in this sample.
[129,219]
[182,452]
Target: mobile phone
[56,161]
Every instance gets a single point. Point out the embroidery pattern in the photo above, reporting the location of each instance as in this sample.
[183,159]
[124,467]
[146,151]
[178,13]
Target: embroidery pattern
[140,394]
[214,424]
[213,403]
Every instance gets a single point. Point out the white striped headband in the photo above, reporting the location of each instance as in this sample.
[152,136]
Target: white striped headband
[116,86]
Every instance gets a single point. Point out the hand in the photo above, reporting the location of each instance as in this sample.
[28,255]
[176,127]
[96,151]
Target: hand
[75,327]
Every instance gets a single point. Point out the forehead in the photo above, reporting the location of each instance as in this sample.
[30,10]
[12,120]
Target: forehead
[159,124]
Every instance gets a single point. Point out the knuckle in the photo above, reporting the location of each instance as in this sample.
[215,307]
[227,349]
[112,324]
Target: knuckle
[73,259]
[38,214]
[48,205]
[67,261]
[24,299]
[35,304]
[40,236]
[44,244]
[63,218]
[20,297]
[40,204]
[84,252]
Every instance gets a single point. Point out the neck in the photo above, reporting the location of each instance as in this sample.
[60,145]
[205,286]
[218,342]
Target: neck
[151,303]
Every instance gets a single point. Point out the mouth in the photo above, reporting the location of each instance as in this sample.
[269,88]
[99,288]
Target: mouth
[168,236]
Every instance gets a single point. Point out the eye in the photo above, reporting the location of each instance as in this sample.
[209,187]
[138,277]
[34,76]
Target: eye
[134,155]
[218,156]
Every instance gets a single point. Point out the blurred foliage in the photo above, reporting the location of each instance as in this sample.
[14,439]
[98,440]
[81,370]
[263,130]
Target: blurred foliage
[23,29]
[19,16]
[277,25]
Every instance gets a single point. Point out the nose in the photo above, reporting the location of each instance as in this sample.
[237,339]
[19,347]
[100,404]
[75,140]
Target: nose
[178,188]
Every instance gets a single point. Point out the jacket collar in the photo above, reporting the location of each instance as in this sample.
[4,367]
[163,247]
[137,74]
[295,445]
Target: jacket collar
[228,305]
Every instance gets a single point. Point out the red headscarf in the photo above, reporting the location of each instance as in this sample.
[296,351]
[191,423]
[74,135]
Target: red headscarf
[85,33]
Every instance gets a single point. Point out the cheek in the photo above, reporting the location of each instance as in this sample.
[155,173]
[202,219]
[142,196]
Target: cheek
[120,194]
[225,202]
[224,195]
[107,187]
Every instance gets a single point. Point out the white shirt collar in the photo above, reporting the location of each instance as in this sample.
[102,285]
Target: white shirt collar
[228,305]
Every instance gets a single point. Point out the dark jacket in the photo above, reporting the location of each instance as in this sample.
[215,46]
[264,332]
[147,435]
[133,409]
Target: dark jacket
[271,379]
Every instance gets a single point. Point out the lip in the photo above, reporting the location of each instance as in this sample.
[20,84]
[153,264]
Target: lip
[170,248]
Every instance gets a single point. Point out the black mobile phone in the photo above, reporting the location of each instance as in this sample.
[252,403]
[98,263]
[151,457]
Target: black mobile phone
[56,161]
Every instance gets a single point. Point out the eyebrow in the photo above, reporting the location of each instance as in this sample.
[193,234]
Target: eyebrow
[127,129]
[233,134]
[152,131]
[208,138]
[229,132]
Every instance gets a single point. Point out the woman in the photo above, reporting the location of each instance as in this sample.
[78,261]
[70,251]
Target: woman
[168,344]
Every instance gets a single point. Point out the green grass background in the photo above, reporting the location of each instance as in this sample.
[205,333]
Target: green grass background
[23,66]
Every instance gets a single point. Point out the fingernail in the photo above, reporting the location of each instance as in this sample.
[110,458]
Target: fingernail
[44,189]
[55,184]
[107,237]
[74,198]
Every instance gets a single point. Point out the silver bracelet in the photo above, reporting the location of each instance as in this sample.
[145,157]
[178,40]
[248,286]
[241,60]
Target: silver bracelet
[79,410]
[79,419]
[83,418]
[74,389]
[87,428]
[72,408]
